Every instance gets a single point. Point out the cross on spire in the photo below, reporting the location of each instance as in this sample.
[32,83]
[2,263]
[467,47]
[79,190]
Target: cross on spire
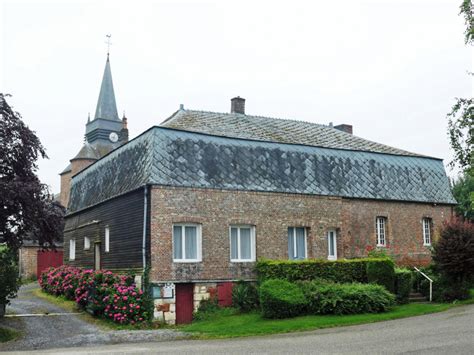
[108,43]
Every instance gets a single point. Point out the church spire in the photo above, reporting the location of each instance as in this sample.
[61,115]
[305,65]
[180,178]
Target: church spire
[106,106]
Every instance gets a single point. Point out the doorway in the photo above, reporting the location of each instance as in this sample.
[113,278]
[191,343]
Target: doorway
[97,256]
[184,303]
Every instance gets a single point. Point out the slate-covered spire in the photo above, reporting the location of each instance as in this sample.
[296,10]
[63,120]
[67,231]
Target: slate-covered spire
[106,106]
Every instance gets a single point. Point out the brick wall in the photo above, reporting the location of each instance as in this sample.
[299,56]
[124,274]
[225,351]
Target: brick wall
[65,188]
[28,261]
[272,214]
[216,210]
[404,228]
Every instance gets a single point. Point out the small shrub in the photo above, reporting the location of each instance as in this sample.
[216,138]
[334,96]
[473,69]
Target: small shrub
[382,273]
[332,298]
[207,309]
[281,299]
[403,284]
[245,296]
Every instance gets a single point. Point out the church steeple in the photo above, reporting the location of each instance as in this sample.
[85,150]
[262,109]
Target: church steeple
[106,106]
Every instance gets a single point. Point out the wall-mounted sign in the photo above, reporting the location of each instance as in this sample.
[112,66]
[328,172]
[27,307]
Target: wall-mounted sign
[162,290]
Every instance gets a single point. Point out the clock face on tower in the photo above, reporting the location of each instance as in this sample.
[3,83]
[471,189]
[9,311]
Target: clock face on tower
[113,137]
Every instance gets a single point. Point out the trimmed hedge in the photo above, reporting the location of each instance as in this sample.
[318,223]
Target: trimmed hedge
[281,299]
[341,271]
[356,298]
[403,284]
[382,272]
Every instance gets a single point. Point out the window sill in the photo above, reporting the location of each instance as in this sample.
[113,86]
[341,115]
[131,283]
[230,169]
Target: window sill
[427,245]
[381,246]
[332,258]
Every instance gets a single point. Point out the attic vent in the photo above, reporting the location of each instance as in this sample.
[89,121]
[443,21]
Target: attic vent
[237,105]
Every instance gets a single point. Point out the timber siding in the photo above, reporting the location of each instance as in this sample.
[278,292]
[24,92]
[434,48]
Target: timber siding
[124,217]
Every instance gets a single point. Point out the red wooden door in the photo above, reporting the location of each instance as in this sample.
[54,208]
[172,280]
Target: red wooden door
[47,259]
[184,303]
[224,294]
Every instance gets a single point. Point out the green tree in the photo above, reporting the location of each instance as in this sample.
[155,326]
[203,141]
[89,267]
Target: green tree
[9,281]
[463,191]
[461,117]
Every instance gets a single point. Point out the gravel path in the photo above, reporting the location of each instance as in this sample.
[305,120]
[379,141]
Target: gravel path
[66,330]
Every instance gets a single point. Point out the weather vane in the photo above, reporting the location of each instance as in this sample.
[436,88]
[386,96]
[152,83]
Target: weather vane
[108,43]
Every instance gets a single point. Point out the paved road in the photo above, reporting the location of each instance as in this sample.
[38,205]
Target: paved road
[66,330]
[450,332]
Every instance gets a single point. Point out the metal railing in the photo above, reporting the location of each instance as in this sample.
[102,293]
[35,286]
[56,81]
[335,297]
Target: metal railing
[431,282]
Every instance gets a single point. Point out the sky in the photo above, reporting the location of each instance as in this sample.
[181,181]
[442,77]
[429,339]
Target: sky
[391,68]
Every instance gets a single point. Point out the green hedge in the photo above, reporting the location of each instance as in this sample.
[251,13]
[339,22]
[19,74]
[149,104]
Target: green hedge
[356,298]
[382,273]
[281,299]
[341,271]
[403,284]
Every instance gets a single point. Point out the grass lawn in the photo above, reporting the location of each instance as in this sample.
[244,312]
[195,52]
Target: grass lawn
[227,323]
[7,334]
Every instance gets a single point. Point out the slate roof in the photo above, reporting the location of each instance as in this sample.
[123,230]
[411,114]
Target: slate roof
[87,152]
[170,157]
[106,106]
[273,130]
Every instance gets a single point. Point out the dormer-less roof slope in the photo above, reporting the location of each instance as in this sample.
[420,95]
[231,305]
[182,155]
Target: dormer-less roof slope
[169,157]
[273,130]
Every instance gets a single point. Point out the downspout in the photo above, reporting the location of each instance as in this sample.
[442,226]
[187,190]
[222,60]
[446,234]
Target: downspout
[145,206]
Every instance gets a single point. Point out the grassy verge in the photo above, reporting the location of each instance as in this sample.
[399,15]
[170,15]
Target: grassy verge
[229,324]
[7,334]
[71,306]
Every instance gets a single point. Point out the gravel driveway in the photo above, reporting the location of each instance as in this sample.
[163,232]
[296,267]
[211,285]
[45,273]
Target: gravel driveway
[65,330]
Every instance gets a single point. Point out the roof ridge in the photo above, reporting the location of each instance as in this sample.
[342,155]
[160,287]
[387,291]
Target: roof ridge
[267,117]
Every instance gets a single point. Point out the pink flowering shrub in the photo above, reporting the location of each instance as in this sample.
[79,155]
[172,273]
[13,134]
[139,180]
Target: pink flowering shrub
[101,292]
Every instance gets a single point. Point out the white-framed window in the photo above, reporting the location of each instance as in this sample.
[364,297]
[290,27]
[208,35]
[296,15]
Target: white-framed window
[297,243]
[381,231]
[186,243]
[242,243]
[427,231]
[107,239]
[87,243]
[72,249]
[332,245]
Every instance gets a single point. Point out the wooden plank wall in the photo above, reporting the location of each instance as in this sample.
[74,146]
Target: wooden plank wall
[124,217]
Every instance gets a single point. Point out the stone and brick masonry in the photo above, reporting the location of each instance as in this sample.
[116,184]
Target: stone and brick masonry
[272,214]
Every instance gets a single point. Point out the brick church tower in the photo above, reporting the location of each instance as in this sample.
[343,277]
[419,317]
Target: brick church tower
[103,134]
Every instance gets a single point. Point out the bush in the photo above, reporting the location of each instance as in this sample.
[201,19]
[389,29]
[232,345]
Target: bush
[207,309]
[281,299]
[101,292]
[343,271]
[245,296]
[332,298]
[9,281]
[454,250]
[382,272]
[403,284]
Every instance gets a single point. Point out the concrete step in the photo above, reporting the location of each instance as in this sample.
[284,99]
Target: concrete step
[417,297]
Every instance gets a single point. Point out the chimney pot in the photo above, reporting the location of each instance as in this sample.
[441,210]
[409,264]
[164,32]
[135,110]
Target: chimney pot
[237,105]
[344,128]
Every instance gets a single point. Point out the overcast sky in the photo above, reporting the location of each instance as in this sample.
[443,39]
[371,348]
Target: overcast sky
[390,68]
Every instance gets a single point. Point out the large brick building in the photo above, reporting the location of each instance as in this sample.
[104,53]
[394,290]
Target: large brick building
[204,195]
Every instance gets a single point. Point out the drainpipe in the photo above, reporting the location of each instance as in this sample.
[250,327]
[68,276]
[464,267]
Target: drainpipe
[145,206]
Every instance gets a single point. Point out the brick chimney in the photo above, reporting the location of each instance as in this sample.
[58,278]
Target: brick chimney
[237,105]
[344,127]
